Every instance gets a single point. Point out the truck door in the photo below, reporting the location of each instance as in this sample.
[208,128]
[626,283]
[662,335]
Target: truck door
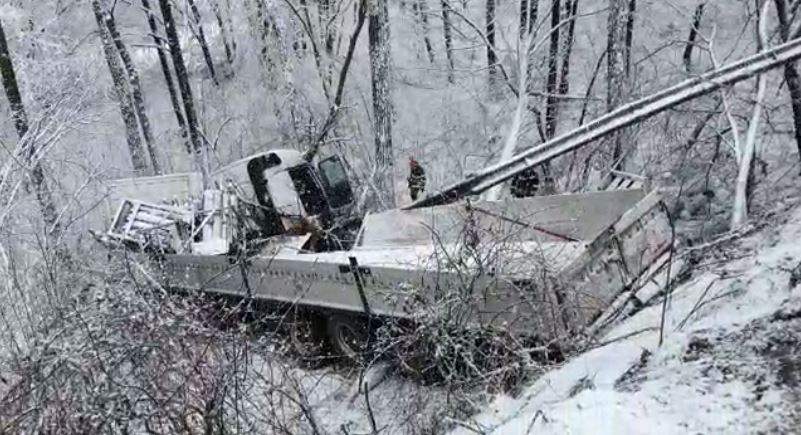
[336,183]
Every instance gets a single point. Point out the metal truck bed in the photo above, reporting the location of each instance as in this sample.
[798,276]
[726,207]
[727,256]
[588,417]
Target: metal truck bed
[544,266]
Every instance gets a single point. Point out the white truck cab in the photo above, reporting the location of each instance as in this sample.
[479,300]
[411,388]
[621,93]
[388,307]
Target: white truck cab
[280,191]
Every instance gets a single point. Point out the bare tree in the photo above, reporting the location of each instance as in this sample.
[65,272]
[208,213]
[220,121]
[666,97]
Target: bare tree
[165,70]
[136,90]
[745,148]
[380,59]
[619,31]
[448,32]
[335,107]
[201,39]
[688,49]
[229,43]
[123,93]
[266,29]
[420,7]
[529,12]
[492,58]
[198,146]
[790,71]
[553,70]
[43,194]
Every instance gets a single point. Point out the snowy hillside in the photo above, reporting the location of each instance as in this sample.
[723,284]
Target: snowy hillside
[240,307]
[729,362]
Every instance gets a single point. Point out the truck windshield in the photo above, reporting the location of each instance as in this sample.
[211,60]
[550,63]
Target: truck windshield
[336,182]
[309,189]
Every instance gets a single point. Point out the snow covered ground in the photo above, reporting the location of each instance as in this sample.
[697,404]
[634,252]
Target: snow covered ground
[730,361]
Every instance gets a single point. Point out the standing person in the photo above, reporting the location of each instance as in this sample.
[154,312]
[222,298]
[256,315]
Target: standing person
[416,179]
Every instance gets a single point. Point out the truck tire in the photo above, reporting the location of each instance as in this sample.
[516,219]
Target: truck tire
[307,336]
[349,336]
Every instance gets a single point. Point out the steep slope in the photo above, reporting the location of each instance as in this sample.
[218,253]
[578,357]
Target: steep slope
[729,362]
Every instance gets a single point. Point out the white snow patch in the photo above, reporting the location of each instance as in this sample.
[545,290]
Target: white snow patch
[674,394]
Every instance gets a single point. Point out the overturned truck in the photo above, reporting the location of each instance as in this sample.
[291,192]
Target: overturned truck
[280,229]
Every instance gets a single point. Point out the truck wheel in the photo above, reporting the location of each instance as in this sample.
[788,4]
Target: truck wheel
[307,336]
[349,336]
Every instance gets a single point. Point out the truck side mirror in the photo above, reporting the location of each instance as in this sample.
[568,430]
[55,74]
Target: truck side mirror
[335,180]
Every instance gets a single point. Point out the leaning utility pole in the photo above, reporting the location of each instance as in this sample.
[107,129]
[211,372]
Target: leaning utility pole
[616,120]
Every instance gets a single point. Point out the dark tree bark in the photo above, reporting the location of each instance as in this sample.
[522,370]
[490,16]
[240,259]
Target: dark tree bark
[201,39]
[42,191]
[266,29]
[343,73]
[632,8]
[617,58]
[165,69]
[551,99]
[588,92]
[421,8]
[136,90]
[448,32]
[380,58]
[228,46]
[333,112]
[228,43]
[127,110]
[791,75]
[327,29]
[528,15]
[323,65]
[182,77]
[492,58]
[529,11]
[688,49]
[567,50]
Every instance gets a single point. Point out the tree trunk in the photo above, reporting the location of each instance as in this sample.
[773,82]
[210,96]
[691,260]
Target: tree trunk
[136,90]
[616,76]
[266,28]
[199,148]
[446,28]
[333,111]
[327,29]
[43,194]
[529,11]
[791,75]
[421,6]
[201,39]
[492,58]
[632,8]
[528,16]
[688,49]
[744,183]
[165,69]
[323,64]
[567,50]
[123,94]
[380,57]
[794,87]
[553,71]
[229,53]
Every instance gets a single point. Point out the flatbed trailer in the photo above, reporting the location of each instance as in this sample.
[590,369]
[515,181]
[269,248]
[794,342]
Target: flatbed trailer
[549,266]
